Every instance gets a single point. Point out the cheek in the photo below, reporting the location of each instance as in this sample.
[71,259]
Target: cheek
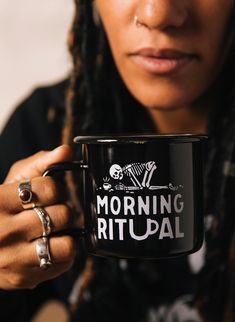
[213,32]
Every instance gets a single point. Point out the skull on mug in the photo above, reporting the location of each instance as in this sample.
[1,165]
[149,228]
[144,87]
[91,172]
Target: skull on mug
[116,172]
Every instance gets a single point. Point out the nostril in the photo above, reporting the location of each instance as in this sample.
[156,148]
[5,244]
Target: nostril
[161,14]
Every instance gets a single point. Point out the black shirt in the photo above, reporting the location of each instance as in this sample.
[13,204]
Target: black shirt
[137,291]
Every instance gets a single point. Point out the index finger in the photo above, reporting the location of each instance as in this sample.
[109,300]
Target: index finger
[36,164]
[46,191]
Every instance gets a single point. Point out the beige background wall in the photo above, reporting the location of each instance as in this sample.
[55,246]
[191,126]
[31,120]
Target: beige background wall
[33,52]
[33,48]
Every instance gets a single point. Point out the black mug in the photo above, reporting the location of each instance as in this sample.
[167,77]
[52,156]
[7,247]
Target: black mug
[142,195]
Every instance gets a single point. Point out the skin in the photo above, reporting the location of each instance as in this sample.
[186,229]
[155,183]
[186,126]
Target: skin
[197,26]
[178,102]
[18,260]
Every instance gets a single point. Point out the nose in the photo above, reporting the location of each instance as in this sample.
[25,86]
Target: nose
[161,14]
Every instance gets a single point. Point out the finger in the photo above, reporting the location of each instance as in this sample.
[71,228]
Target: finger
[46,191]
[62,250]
[53,272]
[36,165]
[32,276]
[20,267]
[60,215]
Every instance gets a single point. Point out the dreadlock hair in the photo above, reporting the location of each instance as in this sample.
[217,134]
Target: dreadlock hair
[98,103]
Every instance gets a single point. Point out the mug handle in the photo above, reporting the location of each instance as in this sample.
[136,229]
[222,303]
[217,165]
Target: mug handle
[65,166]
[62,167]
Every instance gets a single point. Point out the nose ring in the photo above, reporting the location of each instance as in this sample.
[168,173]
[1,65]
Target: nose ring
[137,22]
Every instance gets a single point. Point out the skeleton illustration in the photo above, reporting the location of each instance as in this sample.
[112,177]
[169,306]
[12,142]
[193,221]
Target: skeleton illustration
[134,171]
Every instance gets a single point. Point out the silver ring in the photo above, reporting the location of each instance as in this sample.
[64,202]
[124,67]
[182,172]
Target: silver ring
[26,195]
[43,253]
[45,220]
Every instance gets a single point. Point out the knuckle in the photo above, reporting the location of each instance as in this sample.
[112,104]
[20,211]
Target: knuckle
[40,154]
[50,190]
[64,217]
[69,249]
[10,232]
[16,166]
[22,281]
[19,281]
[6,237]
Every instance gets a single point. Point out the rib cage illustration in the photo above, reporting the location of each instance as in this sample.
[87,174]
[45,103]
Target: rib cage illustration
[135,168]
[134,171]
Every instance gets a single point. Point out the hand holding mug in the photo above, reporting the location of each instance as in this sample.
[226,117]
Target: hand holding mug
[21,229]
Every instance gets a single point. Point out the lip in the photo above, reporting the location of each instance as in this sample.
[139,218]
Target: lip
[160,62]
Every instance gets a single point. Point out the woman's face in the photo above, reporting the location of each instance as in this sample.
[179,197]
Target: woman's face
[168,52]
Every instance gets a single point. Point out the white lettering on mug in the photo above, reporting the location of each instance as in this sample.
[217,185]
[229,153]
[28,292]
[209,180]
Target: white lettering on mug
[110,229]
[128,192]
[129,204]
[120,223]
[141,205]
[114,229]
[178,234]
[102,226]
[102,203]
[149,230]
[166,230]
[115,205]
[178,206]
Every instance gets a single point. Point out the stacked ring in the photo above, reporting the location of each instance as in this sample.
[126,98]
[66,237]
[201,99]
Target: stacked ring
[26,194]
[45,220]
[43,253]
[42,247]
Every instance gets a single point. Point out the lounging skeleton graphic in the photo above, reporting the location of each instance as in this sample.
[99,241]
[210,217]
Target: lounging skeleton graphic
[140,174]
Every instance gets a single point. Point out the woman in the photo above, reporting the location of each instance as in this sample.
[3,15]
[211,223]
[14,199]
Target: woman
[156,66]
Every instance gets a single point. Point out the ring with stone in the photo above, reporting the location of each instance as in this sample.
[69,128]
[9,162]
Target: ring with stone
[26,194]
[43,253]
[45,220]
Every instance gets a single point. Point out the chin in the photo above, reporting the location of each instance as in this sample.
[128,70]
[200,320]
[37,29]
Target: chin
[166,103]
[164,95]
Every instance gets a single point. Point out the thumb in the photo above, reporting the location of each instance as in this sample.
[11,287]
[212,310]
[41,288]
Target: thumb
[35,165]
